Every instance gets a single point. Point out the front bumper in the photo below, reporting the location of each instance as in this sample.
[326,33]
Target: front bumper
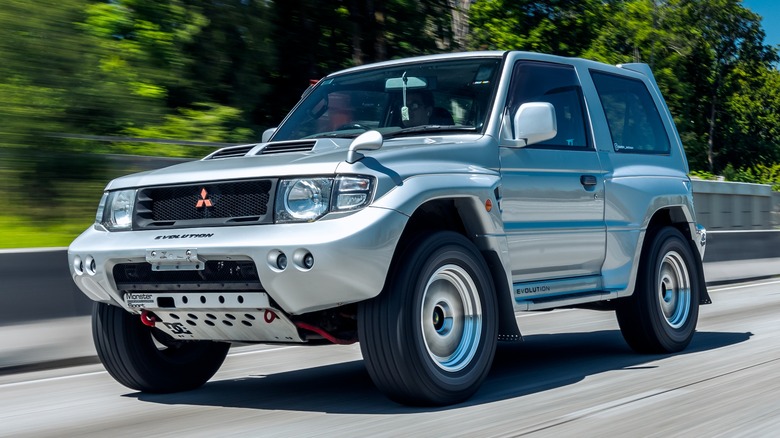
[351,254]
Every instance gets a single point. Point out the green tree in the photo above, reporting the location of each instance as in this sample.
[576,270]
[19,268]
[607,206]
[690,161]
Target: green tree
[230,62]
[314,38]
[729,42]
[139,57]
[561,27]
[43,59]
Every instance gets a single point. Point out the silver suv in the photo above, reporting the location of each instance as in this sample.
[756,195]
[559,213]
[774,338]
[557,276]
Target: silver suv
[415,206]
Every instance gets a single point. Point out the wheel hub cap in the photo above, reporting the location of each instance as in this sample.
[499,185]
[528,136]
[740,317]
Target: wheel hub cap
[451,318]
[674,295]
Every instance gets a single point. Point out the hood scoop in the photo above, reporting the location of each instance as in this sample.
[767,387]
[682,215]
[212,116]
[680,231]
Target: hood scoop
[288,146]
[231,152]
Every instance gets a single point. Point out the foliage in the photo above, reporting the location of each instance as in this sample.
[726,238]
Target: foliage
[204,122]
[225,71]
[562,27]
[708,57]
[703,174]
[758,174]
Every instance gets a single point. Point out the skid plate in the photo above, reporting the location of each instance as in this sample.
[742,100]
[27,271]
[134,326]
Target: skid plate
[237,317]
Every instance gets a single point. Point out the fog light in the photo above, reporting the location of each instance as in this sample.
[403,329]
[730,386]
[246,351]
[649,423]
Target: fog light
[89,265]
[308,260]
[78,265]
[281,262]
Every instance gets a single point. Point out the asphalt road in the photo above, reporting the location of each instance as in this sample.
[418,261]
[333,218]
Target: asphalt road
[573,376]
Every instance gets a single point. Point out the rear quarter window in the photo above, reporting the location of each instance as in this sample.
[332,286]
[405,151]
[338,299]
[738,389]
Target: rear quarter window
[631,113]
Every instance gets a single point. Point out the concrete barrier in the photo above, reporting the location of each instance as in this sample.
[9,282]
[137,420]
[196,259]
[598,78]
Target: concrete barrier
[724,205]
[44,320]
[725,246]
[36,284]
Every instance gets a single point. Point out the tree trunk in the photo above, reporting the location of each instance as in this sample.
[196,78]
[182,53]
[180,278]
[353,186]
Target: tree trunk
[710,141]
[380,43]
[712,121]
[356,15]
[460,21]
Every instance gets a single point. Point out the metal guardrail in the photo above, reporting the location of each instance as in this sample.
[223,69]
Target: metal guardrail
[115,139]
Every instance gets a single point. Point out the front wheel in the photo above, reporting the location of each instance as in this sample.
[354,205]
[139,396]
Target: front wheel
[661,315]
[429,338]
[146,359]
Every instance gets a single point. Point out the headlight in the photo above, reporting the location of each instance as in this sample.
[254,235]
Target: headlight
[101,209]
[117,211]
[303,200]
[352,193]
[308,199]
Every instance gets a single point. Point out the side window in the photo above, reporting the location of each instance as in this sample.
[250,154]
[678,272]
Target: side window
[556,84]
[631,114]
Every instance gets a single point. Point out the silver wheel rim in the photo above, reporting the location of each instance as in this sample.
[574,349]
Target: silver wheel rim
[674,290]
[451,318]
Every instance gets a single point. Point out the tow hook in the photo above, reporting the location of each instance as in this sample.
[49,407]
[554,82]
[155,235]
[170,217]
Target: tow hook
[147,318]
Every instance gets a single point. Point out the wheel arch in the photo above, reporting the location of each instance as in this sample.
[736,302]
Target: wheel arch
[680,218]
[468,216]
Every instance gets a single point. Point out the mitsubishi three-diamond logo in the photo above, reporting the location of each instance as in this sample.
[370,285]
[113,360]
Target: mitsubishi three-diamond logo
[203,200]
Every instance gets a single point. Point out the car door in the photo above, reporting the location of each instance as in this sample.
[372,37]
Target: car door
[553,192]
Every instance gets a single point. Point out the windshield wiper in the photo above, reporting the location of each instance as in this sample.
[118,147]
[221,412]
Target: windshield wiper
[429,128]
[333,135]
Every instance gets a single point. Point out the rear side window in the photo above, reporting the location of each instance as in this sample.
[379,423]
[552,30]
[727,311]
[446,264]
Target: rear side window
[557,84]
[631,114]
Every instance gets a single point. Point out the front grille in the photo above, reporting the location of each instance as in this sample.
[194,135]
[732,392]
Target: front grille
[208,204]
[216,275]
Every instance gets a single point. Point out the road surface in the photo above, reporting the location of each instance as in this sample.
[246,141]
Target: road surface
[573,376]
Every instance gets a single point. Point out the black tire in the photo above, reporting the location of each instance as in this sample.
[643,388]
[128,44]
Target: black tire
[661,315]
[417,346]
[145,359]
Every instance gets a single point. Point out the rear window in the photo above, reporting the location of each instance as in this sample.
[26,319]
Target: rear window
[631,114]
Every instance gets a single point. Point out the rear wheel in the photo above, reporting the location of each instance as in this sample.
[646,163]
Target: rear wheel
[429,338]
[146,359]
[661,315]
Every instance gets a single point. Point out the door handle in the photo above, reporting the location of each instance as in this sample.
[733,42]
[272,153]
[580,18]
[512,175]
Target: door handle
[588,181]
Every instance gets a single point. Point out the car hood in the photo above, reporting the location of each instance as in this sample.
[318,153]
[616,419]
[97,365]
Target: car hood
[279,159]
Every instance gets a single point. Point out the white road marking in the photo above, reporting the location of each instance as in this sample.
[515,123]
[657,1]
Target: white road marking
[95,373]
[745,285]
[51,379]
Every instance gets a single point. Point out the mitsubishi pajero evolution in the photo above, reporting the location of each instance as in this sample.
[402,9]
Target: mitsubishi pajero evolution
[414,206]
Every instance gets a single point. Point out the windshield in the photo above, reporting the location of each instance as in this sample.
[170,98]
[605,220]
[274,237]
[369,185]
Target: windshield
[434,96]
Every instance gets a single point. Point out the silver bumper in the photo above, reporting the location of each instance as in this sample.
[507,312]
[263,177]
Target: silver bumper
[351,256]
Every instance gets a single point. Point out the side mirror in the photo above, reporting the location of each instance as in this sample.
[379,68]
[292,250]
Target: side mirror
[367,141]
[267,135]
[534,122]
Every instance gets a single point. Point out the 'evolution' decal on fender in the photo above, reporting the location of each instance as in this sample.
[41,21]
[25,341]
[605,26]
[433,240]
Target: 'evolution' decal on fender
[548,288]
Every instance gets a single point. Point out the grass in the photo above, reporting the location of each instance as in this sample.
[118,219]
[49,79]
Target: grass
[36,215]
[49,194]
[21,232]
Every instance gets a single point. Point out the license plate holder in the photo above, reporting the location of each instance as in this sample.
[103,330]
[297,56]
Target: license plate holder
[175,259]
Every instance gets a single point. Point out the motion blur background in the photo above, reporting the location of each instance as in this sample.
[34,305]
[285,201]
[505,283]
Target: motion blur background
[90,90]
